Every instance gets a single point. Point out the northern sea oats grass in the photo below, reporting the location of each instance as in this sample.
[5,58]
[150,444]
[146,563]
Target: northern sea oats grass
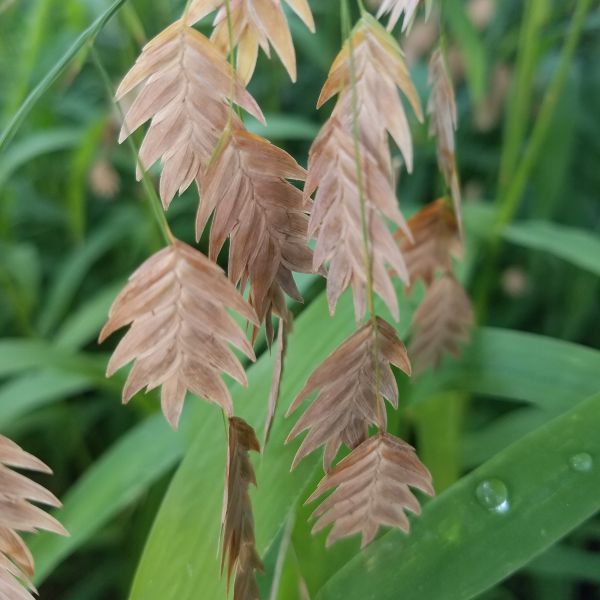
[19,515]
[187,87]
[508,431]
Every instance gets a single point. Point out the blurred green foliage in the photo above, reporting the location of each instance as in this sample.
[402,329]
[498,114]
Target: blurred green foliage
[74,224]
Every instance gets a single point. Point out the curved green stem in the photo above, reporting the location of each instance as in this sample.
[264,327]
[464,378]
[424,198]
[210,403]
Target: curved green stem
[153,199]
[509,200]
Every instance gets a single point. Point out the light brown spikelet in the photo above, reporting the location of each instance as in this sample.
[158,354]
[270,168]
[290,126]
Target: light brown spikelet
[180,329]
[379,71]
[347,401]
[262,214]
[184,86]
[441,324]
[435,240]
[239,545]
[335,219]
[444,121]
[399,9]
[282,335]
[372,488]
[18,514]
[336,216]
[255,23]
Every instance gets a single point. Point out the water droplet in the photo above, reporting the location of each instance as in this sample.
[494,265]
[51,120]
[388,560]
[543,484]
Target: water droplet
[581,462]
[493,495]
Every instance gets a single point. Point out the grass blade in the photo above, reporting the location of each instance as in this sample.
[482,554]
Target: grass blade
[474,547]
[116,480]
[85,38]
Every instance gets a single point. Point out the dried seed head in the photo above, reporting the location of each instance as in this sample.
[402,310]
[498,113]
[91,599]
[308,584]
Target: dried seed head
[180,330]
[444,120]
[17,514]
[365,75]
[239,545]
[255,23]
[348,382]
[186,85]
[372,488]
[263,215]
[400,9]
[435,240]
[441,324]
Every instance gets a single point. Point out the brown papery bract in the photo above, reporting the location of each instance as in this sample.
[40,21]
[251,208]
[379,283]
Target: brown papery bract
[372,488]
[176,302]
[435,240]
[263,215]
[18,514]
[185,85]
[441,324]
[336,216]
[444,121]
[239,544]
[254,23]
[351,385]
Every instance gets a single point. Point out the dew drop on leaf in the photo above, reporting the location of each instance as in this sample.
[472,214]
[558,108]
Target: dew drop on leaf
[493,495]
[582,462]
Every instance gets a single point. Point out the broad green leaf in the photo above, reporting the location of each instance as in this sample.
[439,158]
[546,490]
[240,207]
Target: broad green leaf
[577,246]
[23,354]
[480,445]
[565,562]
[36,145]
[59,68]
[116,480]
[459,548]
[75,268]
[28,392]
[519,366]
[438,424]
[82,326]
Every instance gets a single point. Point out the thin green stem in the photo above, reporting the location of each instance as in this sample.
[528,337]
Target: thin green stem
[232,62]
[535,14]
[508,202]
[368,259]
[151,194]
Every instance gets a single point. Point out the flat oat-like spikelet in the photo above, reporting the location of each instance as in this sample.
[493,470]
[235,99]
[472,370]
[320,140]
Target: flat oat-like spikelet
[176,302]
[372,488]
[255,23]
[347,401]
[441,323]
[444,121]
[17,514]
[185,85]
[396,9]
[379,70]
[263,215]
[435,240]
[239,545]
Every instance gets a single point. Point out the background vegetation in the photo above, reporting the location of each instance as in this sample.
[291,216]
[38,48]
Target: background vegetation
[518,408]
